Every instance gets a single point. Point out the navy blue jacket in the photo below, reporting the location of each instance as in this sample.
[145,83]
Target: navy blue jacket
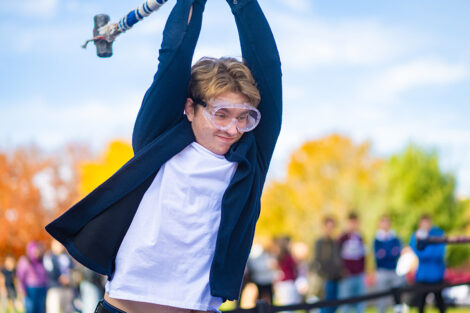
[387,252]
[93,229]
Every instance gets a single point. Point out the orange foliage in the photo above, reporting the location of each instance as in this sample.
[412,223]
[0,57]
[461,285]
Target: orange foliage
[20,201]
[33,190]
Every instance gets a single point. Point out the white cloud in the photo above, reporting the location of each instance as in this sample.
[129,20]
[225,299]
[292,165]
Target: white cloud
[306,42]
[46,38]
[51,125]
[297,5]
[389,84]
[218,50]
[151,25]
[31,8]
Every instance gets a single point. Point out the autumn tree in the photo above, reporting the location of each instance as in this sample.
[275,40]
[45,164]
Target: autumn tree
[329,176]
[34,188]
[20,200]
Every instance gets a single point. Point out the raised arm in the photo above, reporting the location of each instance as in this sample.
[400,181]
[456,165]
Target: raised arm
[163,103]
[430,252]
[260,53]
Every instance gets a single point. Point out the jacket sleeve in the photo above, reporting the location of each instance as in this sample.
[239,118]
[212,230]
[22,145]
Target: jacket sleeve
[434,252]
[163,103]
[413,244]
[260,53]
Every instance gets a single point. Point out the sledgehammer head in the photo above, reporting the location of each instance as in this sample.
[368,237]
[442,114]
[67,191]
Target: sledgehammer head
[104,49]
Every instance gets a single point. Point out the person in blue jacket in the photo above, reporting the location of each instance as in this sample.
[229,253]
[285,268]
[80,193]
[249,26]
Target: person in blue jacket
[387,249]
[172,229]
[431,265]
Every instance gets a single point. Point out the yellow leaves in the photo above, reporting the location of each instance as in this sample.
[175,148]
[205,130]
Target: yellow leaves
[94,173]
[466,209]
[331,175]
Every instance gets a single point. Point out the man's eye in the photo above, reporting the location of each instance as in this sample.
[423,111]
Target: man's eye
[220,116]
[243,117]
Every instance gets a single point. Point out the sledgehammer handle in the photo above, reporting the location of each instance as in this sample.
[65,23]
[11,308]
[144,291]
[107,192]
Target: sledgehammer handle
[145,9]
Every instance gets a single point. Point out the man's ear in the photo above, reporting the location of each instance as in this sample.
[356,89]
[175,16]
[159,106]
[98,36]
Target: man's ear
[189,109]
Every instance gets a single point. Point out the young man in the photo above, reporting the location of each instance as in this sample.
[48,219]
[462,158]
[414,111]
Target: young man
[431,266]
[327,262]
[60,293]
[284,288]
[353,254]
[387,249]
[261,270]
[8,283]
[32,278]
[172,229]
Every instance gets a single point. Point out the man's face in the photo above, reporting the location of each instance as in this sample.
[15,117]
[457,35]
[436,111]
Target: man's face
[329,228]
[353,224]
[425,224]
[207,135]
[9,263]
[384,223]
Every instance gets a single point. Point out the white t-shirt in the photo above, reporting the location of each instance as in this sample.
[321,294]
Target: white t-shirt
[166,255]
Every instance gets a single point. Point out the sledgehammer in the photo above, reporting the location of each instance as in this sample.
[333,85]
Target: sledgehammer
[105,32]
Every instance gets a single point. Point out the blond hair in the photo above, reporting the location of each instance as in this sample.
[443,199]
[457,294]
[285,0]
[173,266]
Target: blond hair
[211,77]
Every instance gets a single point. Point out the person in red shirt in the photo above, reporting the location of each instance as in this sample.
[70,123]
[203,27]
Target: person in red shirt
[285,289]
[353,254]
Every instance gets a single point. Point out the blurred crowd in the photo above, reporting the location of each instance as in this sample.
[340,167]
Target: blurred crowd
[278,271]
[48,280]
[285,273]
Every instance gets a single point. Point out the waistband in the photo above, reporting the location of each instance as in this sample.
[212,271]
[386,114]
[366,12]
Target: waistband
[104,307]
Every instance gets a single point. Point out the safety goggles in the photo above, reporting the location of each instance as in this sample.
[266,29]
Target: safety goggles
[223,115]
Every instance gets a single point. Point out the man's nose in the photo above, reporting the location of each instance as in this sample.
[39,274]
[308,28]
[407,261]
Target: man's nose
[233,131]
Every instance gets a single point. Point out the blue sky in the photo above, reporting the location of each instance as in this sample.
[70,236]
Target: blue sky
[392,72]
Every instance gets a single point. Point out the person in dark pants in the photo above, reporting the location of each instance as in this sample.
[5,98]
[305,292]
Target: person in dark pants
[387,249]
[261,268]
[431,265]
[327,262]
[9,281]
[32,277]
[353,255]
[173,228]
[60,293]
[285,289]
